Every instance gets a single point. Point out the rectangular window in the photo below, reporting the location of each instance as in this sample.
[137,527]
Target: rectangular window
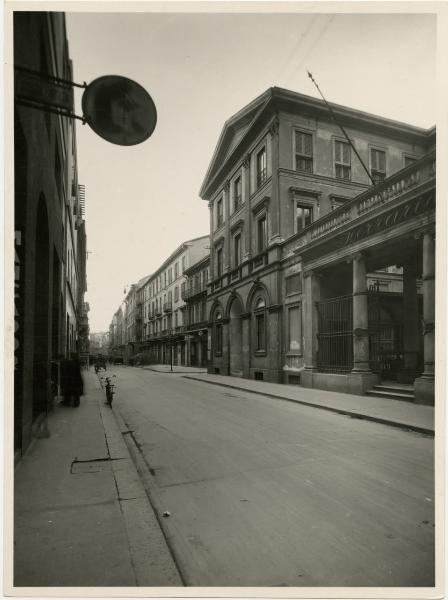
[183,264]
[218,338]
[261,167]
[176,317]
[237,250]
[342,160]
[170,275]
[176,270]
[237,193]
[304,151]
[261,234]
[304,216]
[378,165]
[294,330]
[219,213]
[260,325]
[176,293]
[182,288]
[219,262]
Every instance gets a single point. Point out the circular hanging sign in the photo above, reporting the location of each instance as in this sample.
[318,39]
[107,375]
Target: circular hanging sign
[119,110]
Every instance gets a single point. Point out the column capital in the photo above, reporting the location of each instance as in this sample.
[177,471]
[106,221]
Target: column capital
[227,186]
[274,126]
[419,235]
[246,161]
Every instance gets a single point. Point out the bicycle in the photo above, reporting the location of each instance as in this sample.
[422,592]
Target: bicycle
[109,388]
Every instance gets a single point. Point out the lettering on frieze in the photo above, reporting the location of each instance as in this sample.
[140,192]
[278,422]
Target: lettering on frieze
[398,215]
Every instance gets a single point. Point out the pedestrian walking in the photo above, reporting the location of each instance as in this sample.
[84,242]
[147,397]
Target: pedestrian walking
[71,381]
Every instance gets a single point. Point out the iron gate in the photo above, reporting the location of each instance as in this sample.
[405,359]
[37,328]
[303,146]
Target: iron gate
[335,351]
[385,337]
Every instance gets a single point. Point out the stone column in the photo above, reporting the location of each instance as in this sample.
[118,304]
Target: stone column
[212,255]
[410,323]
[245,317]
[310,325]
[247,210]
[361,378]
[424,385]
[227,261]
[275,210]
[199,351]
[360,317]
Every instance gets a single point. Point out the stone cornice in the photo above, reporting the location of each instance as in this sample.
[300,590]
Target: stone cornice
[315,177]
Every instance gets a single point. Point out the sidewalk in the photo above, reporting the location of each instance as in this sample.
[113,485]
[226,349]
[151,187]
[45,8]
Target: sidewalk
[82,516]
[396,413]
[176,369]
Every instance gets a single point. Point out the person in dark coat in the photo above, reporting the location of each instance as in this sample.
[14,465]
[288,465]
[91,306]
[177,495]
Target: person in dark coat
[72,384]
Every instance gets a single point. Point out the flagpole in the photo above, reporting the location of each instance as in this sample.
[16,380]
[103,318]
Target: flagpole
[341,128]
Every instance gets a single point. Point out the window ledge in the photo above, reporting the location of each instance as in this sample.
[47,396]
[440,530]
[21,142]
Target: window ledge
[260,353]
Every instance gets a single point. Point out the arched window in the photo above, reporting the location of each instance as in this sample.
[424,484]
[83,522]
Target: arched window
[218,333]
[260,324]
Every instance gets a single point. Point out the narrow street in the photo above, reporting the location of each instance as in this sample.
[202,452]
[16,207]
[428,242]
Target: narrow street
[263,492]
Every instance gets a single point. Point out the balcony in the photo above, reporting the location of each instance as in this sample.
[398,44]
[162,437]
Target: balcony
[168,307]
[158,312]
[194,290]
[258,261]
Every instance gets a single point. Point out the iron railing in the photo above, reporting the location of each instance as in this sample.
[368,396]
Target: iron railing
[335,351]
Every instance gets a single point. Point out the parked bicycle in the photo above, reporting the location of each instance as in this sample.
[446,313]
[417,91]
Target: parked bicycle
[109,388]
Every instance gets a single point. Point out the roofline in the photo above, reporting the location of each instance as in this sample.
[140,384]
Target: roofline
[198,264]
[277,93]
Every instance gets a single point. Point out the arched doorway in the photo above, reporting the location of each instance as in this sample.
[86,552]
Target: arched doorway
[41,312]
[236,338]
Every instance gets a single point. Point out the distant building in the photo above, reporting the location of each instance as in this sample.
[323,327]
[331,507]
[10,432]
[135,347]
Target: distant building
[50,238]
[152,315]
[194,293]
[99,343]
[314,272]
[163,306]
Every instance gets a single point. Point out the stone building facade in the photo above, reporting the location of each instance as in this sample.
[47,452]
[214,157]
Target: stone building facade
[302,243]
[50,237]
[194,293]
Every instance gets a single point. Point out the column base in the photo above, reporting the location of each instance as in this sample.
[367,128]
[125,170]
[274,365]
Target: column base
[306,378]
[359,382]
[424,391]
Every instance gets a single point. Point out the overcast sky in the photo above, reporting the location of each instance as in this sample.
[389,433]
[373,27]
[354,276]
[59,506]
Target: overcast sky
[142,201]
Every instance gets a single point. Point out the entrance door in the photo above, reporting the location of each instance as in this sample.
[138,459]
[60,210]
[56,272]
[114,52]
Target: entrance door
[385,337]
[236,339]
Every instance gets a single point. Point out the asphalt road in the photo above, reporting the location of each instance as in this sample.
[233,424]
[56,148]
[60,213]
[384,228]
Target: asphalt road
[263,492]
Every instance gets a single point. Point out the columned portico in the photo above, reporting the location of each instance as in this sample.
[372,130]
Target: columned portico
[311,296]
[410,323]
[361,377]
[424,385]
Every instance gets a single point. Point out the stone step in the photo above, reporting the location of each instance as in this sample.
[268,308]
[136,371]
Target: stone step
[391,395]
[395,388]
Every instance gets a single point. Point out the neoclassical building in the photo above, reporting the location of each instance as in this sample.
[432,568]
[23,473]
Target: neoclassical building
[321,267]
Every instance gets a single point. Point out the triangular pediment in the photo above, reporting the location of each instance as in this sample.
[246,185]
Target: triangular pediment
[234,130]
